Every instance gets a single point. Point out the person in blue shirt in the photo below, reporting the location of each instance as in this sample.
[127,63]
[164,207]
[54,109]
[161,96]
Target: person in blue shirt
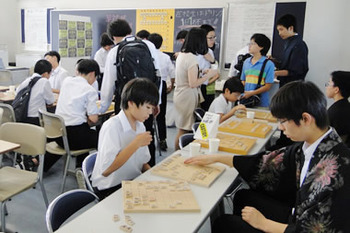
[258,47]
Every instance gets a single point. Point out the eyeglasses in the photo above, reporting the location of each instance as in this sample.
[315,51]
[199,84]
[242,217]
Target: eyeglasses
[327,84]
[211,38]
[281,121]
[251,43]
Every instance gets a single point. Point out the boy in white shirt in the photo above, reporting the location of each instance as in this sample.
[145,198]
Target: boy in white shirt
[77,105]
[123,153]
[222,104]
[167,69]
[58,74]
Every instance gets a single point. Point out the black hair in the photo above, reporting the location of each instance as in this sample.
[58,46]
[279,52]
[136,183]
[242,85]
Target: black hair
[85,66]
[263,41]
[195,42]
[53,54]
[105,40]
[139,91]
[143,34]
[118,28]
[208,28]
[298,97]
[233,84]
[287,21]
[42,66]
[341,79]
[156,39]
[181,35]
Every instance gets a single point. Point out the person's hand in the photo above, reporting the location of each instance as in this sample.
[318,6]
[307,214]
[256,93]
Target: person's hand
[143,139]
[200,160]
[240,107]
[247,94]
[253,217]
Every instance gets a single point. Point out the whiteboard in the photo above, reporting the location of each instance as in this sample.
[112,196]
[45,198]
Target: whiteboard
[245,19]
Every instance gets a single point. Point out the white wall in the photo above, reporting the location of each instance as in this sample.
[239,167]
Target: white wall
[326,31]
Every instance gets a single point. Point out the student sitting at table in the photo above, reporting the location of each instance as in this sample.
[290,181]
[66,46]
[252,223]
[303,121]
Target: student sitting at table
[222,104]
[300,188]
[58,74]
[77,105]
[123,153]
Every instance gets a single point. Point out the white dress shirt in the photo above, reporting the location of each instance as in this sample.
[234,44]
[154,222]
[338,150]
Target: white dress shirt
[110,73]
[116,133]
[233,72]
[308,153]
[204,64]
[100,57]
[76,101]
[40,96]
[167,68]
[57,77]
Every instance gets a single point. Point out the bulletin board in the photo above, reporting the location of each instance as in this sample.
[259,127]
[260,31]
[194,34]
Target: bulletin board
[167,22]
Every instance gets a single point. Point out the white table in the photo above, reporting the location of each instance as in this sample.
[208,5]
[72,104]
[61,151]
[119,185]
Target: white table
[100,217]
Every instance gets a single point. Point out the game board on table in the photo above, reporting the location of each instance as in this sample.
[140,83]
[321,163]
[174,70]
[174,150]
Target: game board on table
[174,167]
[261,115]
[231,143]
[158,196]
[247,127]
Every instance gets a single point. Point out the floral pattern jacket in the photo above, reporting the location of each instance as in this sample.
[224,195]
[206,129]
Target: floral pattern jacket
[322,203]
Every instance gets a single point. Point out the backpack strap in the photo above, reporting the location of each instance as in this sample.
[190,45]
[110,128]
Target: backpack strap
[261,73]
[33,81]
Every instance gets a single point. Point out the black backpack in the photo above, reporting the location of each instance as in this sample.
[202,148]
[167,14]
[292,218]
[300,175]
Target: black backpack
[21,101]
[240,60]
[133,60]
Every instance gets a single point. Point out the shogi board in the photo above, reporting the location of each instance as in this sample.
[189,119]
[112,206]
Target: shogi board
[158,196]
[246,127]
[231,143]
[259,115]
[174,168]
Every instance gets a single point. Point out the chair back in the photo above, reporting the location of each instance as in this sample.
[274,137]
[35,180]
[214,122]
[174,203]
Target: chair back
[195,127]
[1,114]
[185,139]
[31,137]
[199,113]
[67,204]
[53,124]
[6,78]
[88,167]
[8,113]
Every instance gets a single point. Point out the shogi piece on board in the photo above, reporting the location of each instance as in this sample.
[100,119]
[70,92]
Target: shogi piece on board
[174,168]
[231,143]
[246,127]
[158,196]
[258,115]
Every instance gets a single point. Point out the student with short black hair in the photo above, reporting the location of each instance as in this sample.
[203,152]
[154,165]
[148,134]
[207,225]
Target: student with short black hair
[258,47]
[294,64]
[167,70]
[41,94]
[123,153]
[58,73]
[338,88]
[223,104]
[300,188]
[77,106]
[180,37]
[101,55]
[143,34]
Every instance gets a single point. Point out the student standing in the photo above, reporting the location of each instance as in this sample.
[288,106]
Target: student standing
[294,65]
[338,88]
[312,177]
[167,69]
[259,46]
[77,105]
[101,55]
[187,94]
[223,104]
[123,153]
[58,73]
[120,30]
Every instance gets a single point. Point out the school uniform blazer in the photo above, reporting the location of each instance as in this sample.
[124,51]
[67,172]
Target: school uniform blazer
[322,202]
